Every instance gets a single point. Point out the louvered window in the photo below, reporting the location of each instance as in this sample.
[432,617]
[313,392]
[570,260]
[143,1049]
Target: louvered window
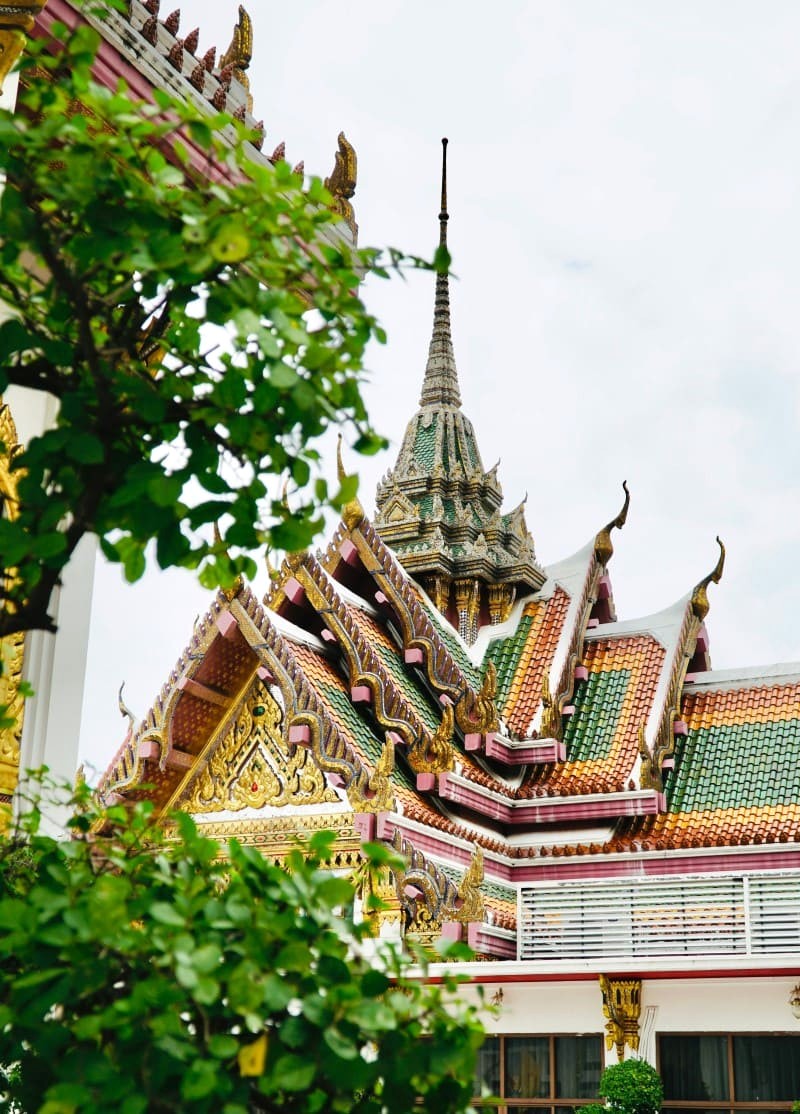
[750,914]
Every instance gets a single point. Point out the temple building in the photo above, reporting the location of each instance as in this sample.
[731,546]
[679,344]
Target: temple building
[612,825]
[609,823]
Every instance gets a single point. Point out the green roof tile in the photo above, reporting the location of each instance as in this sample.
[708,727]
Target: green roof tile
[365,738]
[505,654]
[736,766]
[598,704]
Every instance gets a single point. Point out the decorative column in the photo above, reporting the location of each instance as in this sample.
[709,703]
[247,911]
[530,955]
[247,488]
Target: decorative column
[467,594]
[501,600]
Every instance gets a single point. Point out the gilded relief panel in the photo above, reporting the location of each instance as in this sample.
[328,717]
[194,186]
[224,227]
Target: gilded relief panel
[253,766]
[12,647]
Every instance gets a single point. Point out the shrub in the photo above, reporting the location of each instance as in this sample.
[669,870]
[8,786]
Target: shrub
[632,1087]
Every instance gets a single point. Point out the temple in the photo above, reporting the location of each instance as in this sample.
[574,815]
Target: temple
[613,826]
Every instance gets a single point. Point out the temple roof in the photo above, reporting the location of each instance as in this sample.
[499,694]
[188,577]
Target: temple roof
[540,740]
[563,739]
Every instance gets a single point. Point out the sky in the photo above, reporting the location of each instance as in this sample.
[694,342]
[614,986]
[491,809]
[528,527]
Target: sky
[624,196]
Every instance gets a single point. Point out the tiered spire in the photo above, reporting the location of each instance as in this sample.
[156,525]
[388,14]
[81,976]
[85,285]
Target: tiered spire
[440,385]
[438,508]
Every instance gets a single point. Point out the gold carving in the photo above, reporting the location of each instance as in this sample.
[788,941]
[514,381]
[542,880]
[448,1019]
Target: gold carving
[352,514]
[471,907]
[342,182]
[15,20]
[603,548]
[433,754]
[240,53]
[551,714]
[484,716]
[372,792]
[622,1005]
[251,767]
[12,647]
[700,604]
[376,887]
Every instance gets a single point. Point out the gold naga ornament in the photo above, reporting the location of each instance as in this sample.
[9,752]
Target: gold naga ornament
[341,184]
[16,20]
[252,766]
[12,647]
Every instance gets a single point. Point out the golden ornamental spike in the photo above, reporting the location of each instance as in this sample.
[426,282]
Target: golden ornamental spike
[603,547]
[435,754]
[700,604]
[471,908]
[240,53]
[341,183]
[341,475]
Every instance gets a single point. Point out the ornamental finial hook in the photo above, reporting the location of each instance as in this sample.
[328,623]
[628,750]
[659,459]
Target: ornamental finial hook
[603,547]
[700,604]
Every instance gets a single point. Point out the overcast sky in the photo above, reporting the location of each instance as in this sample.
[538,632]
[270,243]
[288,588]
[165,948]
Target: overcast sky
[624,188]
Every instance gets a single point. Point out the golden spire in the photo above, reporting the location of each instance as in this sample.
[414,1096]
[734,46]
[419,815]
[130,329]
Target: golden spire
[440,386]
[700,604]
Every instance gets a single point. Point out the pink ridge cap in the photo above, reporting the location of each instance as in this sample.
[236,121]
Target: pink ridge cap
[226,623]
[452,930]
[348,551]
[364,824]
[426,782]
[328,635]
[300,734]
[361,694]
[264,674]
[381,599]
[293,590]
[413,656]
[383,825]
[680,727]
[581,673]
[473,740]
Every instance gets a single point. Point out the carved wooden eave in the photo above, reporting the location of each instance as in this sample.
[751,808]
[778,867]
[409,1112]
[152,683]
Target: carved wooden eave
[658,735]
[391,590]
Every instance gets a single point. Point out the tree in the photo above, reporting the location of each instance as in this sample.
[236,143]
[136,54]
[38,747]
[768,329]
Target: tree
[150,972]
[197,329]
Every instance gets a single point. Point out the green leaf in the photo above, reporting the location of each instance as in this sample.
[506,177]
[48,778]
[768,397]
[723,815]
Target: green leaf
[223,1047]
[294,1073]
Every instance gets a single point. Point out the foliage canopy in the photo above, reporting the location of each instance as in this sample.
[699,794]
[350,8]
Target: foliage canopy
[148,973]
[186,306]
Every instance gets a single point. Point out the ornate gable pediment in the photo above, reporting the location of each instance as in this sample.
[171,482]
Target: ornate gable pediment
[398,508]
[252,766]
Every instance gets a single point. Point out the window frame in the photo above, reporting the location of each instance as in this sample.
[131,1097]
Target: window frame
[505,1103]
[731,1105]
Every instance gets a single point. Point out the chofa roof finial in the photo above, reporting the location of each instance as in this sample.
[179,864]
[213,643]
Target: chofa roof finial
[602,543]
[700,604]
